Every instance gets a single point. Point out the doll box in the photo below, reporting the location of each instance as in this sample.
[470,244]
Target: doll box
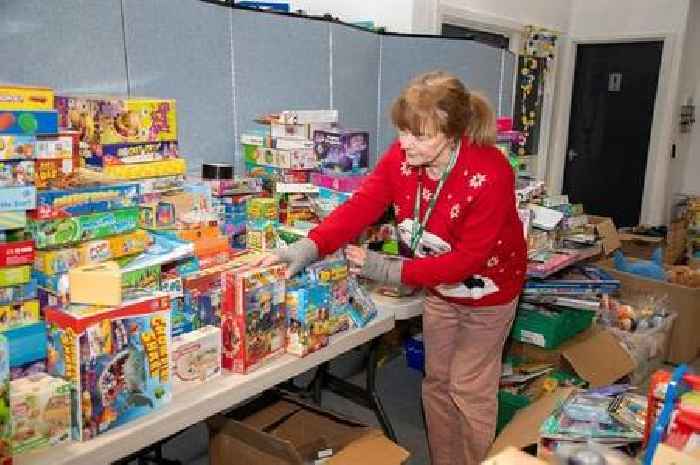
[120,154]
[28,122]
[342,151]
[116,359]
[17,198]
[254,317]
[17,147]
[16,253]
[60,203]
[196,357]
[62,232]
[19,313]
[40,412]
[14,97]
[117,120]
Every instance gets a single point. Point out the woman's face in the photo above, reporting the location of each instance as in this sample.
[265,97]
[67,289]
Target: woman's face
[422,150]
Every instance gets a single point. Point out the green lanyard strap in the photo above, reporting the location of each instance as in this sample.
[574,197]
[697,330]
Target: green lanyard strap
[419,228]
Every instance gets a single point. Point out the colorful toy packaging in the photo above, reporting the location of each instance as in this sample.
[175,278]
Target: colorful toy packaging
[116,359]
[5,425]
[109,285]
[19,313]
[262,222]
[154,169]
[15,275]
[61,232]
[12,221]
[237,186]
[342,183]
[308,325]
[54,172]
[196,357]
[17,199]
[291,159]
[54,204]
[62,146]
[203,298]
[254,317]
[118,120]
[16,173]
[342,151]
[28,122]
[333,273]
[14,97]
[160,185]
[180,210]
[18,293]
[363,309]
[16,253]
[17,147]
[39,411]
[124,154]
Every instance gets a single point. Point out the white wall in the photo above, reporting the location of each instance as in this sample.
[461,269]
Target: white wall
[395,15]
[604,21]
[686,166]
[552,14]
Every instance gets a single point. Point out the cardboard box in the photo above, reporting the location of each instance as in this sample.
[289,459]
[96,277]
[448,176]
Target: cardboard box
[16,173]
[683,300]
[596,356]
[53,172]
[15,97]
[512,456]
[13,220]
[116,359]
[13,276]
[84,201]
[342,151]
[106,284]
[196,357]
[16,253]
[605,227]
[17,199]
[124,154]
[289,432]
[5,431]
[667,455]
[17,147]
[640,246]
[154,169]
[19,313]
[28,122]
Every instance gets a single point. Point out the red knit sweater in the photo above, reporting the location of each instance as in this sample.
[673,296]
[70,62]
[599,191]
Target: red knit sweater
[475,214]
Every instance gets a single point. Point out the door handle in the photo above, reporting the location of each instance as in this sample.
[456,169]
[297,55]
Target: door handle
[571,155]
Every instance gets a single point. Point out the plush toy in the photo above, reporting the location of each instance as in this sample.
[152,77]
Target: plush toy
[652,269]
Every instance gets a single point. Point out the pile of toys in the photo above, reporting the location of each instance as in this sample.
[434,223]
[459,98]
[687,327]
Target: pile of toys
[122,281]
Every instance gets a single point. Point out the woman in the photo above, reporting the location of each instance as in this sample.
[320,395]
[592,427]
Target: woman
[453,194]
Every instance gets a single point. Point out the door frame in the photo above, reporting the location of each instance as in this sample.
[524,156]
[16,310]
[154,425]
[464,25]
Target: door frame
[654,209]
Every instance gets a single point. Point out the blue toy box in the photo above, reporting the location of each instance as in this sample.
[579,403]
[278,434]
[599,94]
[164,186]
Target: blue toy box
[52,204]
[17,198]
[117,360]
[28,123]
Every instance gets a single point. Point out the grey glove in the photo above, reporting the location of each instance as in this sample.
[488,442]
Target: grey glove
[382,268]
[298,255]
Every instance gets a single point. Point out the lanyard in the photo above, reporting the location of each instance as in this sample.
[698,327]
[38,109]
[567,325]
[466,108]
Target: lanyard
[419,228]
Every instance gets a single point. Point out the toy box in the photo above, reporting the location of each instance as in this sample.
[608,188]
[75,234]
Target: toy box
[202,298]
[12,220]
[286,143]
[177,211]
[5,428]
[61,232]
[308,116]
[56,286]
[265,209]
[118,120]
[363,309]
[114,247]
[154,169]
[15,173]
[16,253]
[18,293]
[120,154]
[14,97]
[19,313]
[298,131]
[261,235]
[17,147]
[64,146]
[109,285]
[15,275]
[342,151]
[237,186]
[39,412]
[17,198]
[56,172]
[29,122]
[342,183]
[196,357]
[116,359]
[292,159]
[254,317]
[308,325]
[333,273]
[160,185]
[27,344]
[53,204]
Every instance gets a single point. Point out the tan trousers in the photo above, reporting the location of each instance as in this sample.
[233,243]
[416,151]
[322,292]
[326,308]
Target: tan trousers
[463,347]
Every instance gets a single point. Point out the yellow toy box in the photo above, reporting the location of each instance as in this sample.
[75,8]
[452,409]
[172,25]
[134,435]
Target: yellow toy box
[118,120]
[155,169]
[14,97]
[19,314]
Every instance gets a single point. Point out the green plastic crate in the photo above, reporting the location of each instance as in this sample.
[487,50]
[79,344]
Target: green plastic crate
[508,405]
[549,329]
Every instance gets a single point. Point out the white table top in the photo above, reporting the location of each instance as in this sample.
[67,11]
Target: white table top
[403,308]
[201,402]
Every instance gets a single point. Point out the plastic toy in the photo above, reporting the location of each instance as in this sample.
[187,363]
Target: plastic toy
[40,412]
[652,269]
[117,360]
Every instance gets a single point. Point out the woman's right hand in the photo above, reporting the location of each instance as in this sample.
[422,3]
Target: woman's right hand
[297,256]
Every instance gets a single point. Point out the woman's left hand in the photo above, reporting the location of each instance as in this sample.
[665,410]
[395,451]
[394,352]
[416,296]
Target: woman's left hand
[356,257]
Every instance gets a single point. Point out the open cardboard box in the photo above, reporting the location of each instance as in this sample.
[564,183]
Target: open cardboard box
[286,431]
[596,356]
[685,301]
[512,456]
